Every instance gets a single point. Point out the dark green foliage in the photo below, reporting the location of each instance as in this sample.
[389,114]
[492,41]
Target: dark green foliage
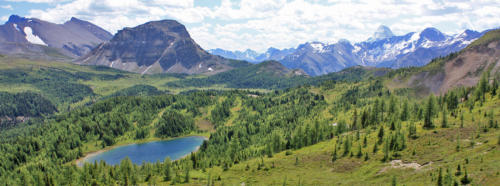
[138,90]
[444,120]
[173,123]
[429,113]
[57,85]
[26,104]
[221,112]
[440,177]
[459,171]
[466,180]
[380,135]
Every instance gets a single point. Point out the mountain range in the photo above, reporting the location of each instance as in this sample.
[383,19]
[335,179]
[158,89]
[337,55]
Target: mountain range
[166,47]
[252,56]
[37,38]
[383,49]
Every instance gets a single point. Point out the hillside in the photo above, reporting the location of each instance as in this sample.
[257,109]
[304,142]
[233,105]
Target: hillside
[463,68]
[265,75]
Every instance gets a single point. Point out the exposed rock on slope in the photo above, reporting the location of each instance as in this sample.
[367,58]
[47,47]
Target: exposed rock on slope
[156,47]
[28,36]
[461,69]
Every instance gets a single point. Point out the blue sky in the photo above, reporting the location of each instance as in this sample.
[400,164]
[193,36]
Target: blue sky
[259,24]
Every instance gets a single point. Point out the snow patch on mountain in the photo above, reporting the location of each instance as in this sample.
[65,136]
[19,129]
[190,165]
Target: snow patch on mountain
[32,38]
[317,47]
[16,27]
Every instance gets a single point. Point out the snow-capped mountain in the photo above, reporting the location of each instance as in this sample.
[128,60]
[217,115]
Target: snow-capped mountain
[247,55]
[412,49]
[73,38]
[383,49]
[253,56]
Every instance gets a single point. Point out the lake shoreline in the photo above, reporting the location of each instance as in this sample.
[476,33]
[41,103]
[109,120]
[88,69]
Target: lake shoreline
[80,161]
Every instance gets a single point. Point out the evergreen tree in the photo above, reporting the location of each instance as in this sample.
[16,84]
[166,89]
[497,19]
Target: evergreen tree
[365,141]
[412,130]
[405,111]
[187,176]
[444,120]
[334,155]
[429,113]
[465,180]
[440,177]
[360,152]
[380,134]
[459,171]
[461,120]
[393,182]
[168,169]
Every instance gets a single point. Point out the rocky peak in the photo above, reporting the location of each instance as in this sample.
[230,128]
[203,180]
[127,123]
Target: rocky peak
[382,32]
[432,34]
[155,47]
[16,19]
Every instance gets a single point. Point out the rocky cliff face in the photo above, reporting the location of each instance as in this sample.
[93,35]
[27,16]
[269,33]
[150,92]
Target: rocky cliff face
[32,37]
[463,68]
[155,47]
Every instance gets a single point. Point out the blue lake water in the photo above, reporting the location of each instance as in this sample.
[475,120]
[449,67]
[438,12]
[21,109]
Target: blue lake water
[150,152]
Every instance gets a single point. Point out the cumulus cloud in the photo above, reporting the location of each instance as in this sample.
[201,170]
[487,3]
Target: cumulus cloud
[259,24]
[8,7]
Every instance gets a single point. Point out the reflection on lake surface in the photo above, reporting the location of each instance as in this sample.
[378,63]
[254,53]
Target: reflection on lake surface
[150,151]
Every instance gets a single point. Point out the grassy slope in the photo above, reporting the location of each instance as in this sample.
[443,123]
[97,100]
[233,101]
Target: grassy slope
[434,149]
[101,87]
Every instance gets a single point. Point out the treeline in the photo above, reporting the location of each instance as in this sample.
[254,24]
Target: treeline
[25,105]
[260,76]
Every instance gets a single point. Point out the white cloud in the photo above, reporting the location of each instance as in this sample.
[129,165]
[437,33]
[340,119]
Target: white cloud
[259,24]
[8,7]
[38,1]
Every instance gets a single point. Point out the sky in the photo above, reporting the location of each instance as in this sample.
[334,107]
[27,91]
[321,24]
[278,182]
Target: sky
[260,24]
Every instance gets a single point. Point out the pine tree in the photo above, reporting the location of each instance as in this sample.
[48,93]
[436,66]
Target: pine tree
[375,148]
[465,180]
[386,150]
[461,120]
[168,169]
[187,177]
[440,177]
[494,87]
[354,124]
[380,134]
[365,141]
[459,171]
[334,154]
[444,120]
[360,152]
[412,131]
[429,113]
[405,111]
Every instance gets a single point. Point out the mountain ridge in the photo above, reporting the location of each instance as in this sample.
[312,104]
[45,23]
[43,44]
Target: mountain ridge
[383,49]
[75,37]
[163,46]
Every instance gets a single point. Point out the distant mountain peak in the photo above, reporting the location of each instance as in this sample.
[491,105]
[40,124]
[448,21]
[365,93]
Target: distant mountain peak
[15,19]
[432,34]
[382,32]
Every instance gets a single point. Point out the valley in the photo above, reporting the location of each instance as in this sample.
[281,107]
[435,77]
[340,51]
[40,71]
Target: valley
[149,106]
